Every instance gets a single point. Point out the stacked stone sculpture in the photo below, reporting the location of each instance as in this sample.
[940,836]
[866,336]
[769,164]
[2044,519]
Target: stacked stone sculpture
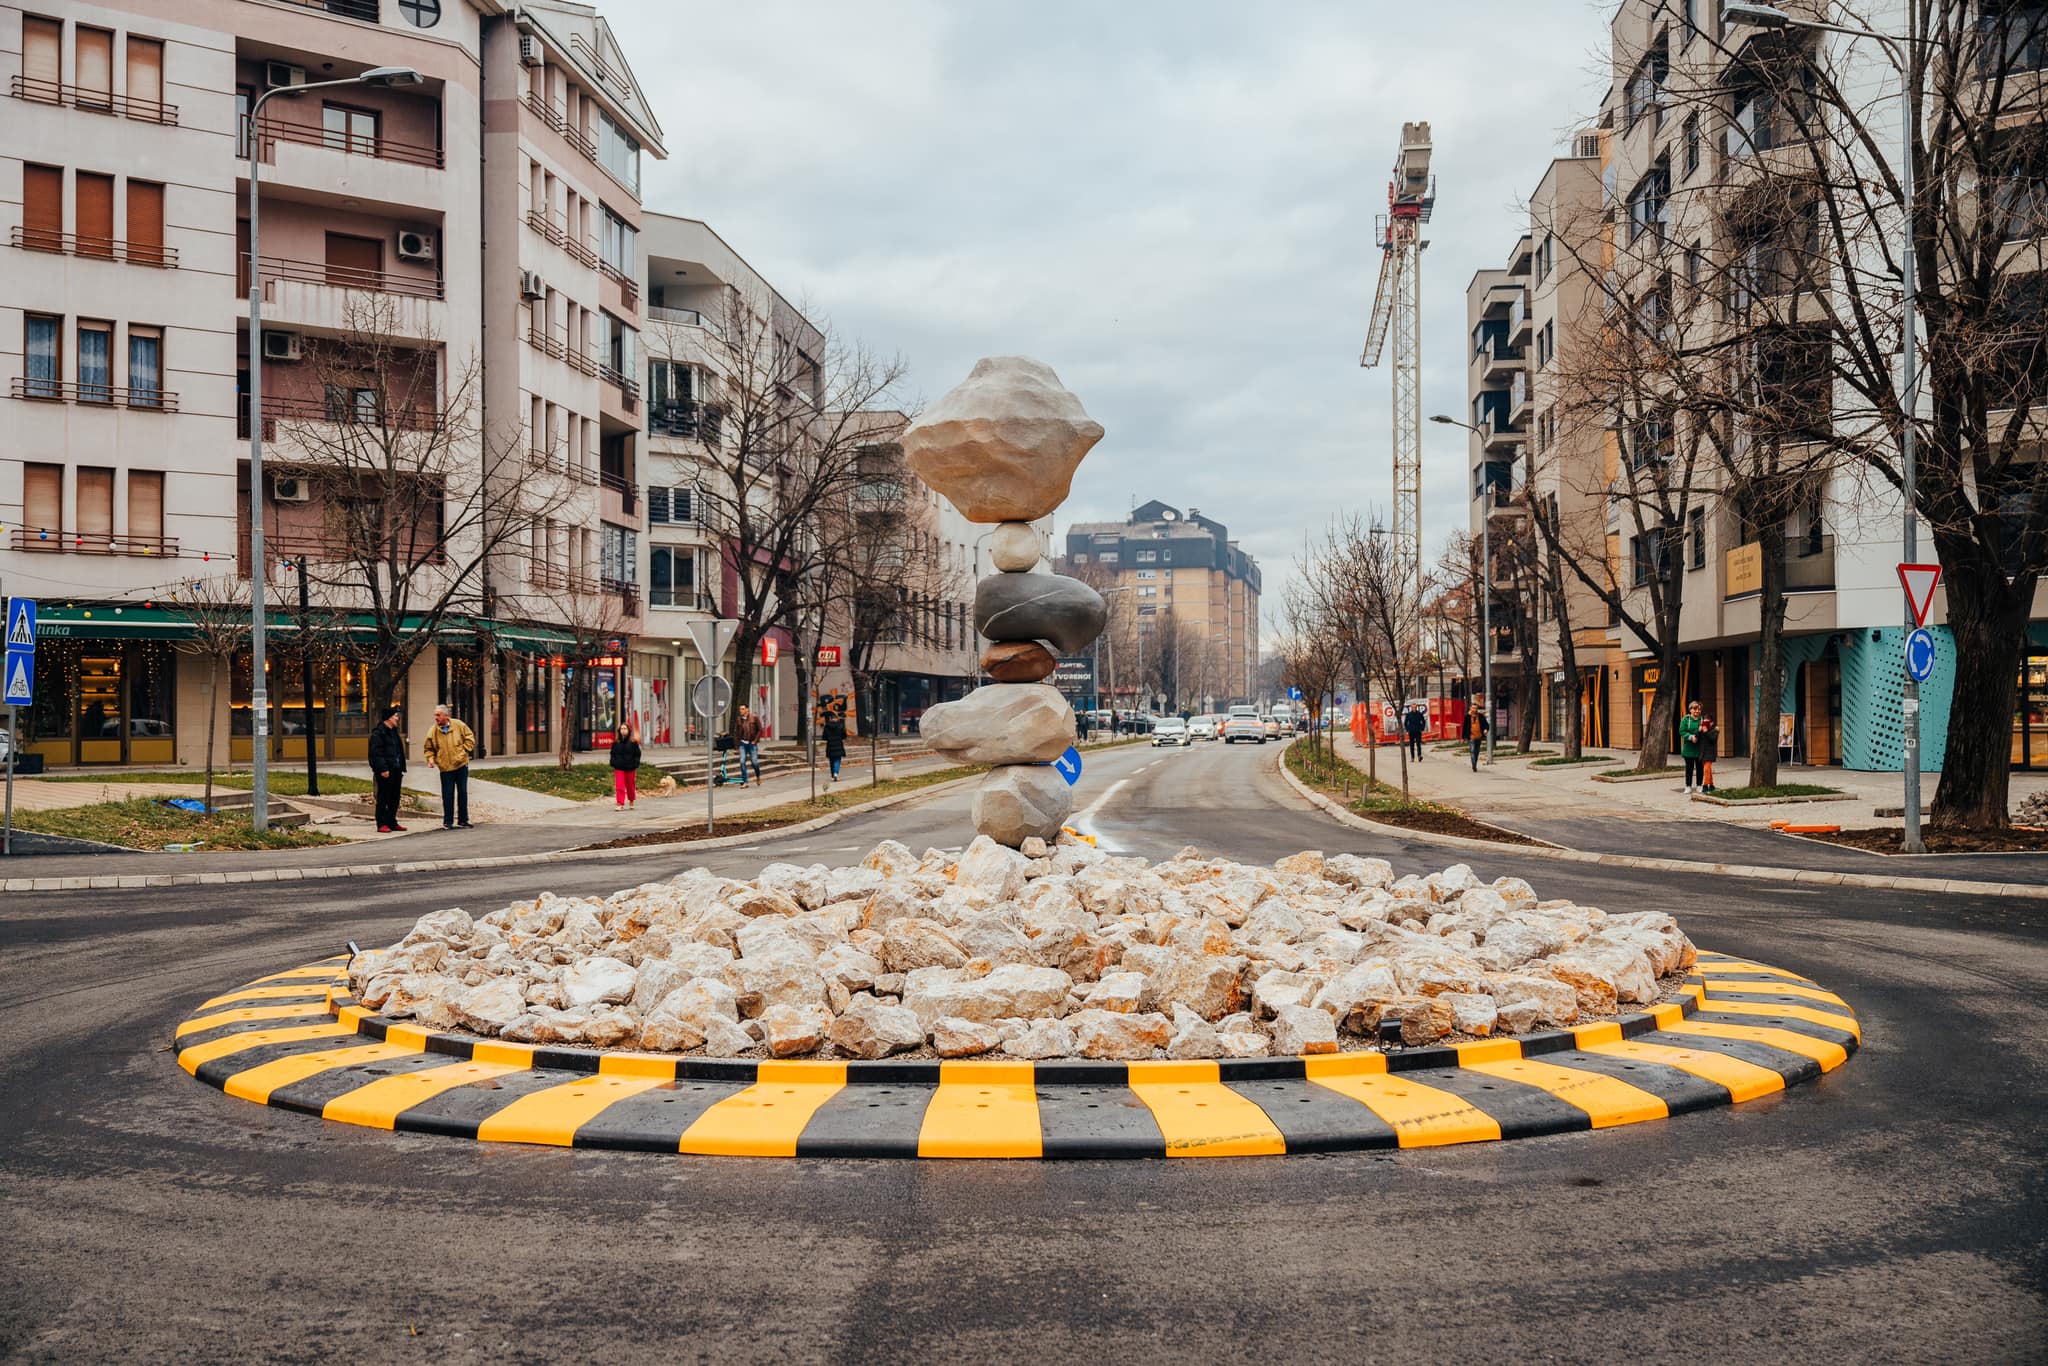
[1003,447]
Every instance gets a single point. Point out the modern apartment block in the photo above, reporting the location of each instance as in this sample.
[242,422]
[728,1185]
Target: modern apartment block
[1181,573]
[481,221]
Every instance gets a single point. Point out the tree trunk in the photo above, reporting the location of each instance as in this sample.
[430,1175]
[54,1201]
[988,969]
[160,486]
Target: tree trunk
[1988,618]
[212,721]
[1529,696]
[1770,656]
[745,650]
[1401,691]
[1568,660]
[1372,735]
[1656,748]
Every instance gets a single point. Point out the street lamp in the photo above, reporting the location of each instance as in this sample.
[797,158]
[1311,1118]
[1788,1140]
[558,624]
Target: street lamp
[259,695]
[1771,17]
[1485,595]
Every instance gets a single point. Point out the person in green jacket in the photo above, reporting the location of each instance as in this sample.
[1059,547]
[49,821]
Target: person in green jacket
[1689,745]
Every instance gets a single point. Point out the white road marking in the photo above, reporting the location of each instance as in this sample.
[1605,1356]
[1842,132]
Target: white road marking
[1086,814]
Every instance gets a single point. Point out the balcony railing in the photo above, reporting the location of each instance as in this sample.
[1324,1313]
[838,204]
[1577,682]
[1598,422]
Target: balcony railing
[686,317]
[56,542]
[629,390]
[109,248]
[556,462]
[628,594]
[411,418]
[105,395]
[561,237]
[93,101]
[273,129]
[629,291]
[628,491]
[555,119]
[344,277]
[547,343]
[365,10]
[703,421]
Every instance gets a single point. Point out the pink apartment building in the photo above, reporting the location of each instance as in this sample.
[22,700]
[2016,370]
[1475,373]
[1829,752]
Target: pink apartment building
[486,219]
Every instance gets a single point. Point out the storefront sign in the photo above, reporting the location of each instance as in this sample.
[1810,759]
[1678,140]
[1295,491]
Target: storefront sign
[1745,570]
[829,656]
[770,651]
[1074,675]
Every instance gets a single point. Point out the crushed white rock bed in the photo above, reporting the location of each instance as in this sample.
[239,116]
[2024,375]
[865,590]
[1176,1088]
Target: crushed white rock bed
[1045,953]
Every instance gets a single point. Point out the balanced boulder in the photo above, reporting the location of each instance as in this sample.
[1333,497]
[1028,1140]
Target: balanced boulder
[1004,443]
[1048,607]
[1009,723]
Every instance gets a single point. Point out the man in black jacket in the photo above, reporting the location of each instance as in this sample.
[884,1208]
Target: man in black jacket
[387,769]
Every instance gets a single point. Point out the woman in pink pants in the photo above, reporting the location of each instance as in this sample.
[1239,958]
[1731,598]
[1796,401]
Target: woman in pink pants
[625,766]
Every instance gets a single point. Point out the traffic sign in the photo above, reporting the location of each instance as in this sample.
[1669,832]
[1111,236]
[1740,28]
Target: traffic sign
[1920,655]
[1068,765]
[21,623]
[712,696]
[18,668]
[1294,694]
[711,637]
[1919,581]
[21,679]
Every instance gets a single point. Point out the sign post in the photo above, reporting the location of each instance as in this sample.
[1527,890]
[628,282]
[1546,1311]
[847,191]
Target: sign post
[711,637]
[17,689]
[1919,581]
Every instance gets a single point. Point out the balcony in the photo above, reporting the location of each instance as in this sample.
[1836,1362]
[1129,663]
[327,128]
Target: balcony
[689,419]
[629,289]
[154,254]
[629,390]
[365,10]
[548,344]
[280,407]
[537,104]
[624,490]
[371,167]
[1518,397]
[316,296]
[1498,360]
[557,462]
[1498,435]
[628,594]
[92,101]
[684,317]
[1521,325]
[579,251]
[45,541]
[100,395]
[271,130]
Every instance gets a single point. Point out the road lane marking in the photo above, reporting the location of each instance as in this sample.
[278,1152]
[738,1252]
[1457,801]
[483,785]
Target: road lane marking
[1083,818]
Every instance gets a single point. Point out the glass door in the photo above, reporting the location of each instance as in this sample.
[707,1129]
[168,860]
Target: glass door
[2030,715]
[99,709]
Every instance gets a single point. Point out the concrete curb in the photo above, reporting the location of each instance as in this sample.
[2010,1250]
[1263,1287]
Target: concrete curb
[293,1041]
[119,881]
[1337,813]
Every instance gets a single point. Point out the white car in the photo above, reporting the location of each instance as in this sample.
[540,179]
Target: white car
[1202,728]
[1169,730]
[1244,724]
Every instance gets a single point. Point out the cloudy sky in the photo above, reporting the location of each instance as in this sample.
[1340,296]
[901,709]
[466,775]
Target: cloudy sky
[1171,204]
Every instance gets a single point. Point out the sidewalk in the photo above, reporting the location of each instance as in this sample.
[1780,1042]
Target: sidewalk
[1657,819]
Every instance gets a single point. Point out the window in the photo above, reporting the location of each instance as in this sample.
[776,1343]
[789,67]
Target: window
[45,361]
[1645,94]
[675,503]
[1698,537]
[42,497]
[145,366]
[1081,558]
[245,98]
[42,208]
[1147,557]
[95,214]
[1654,442]
[354,262]
[672,576]
[42,60]
[421,13]
[95,525]
[616,348]
[1653,554]
[620,244]
[145,76]
[1694,260]
[618,152]
[1647,203]
[146,508]
[617,565]
[351,406]
[1107,557]
[93,68]
[348,129]
[2014,37]
[1692,144]
[145,222]
[95,362]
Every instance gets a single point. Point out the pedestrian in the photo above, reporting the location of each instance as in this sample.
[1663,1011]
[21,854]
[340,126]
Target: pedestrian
[1412,724]
[625,760]
[1689,745]
[747,730]
[1475,728]
[387,769]
[1710,748]
[834,732]
[449,746]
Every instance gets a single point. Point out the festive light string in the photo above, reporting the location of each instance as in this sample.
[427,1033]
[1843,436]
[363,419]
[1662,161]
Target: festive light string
[139,546]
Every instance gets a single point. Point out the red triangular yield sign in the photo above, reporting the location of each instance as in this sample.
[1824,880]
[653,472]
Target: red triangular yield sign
[1919,580]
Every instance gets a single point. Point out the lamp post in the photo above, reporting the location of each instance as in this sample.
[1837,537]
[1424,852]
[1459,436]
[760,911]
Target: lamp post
[1485,594]
[1771,17]
[259,694]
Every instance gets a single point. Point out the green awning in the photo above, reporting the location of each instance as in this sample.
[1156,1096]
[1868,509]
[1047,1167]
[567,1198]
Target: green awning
[104,621]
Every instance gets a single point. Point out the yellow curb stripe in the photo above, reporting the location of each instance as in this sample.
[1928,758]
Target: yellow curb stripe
[1748,970]
[378,1104]
[1607,1101]
[553,1116]
[258,994]
[1742,1079]
[1201,1117]
[767,1118]
[324,973]
[258,1082]
[637,1065]
[1846,1023]
[191,1058]
[1344,1065]
[1778,989]
[1421,1116]
[1828,1055]
[199,1024]
[987,1109]
[1489,1050]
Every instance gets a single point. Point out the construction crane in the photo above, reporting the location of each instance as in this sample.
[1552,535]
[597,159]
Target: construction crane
[1397,308]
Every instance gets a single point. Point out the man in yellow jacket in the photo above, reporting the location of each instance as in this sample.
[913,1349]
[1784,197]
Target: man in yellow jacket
[448,747]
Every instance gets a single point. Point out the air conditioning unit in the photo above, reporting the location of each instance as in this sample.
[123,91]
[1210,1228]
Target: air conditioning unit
[531,286]
[283,73]
[281,345]
[415,246]
[290,490]
[529,50]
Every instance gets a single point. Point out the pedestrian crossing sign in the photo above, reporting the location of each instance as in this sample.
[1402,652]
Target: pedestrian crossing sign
[21,624]
[20,679]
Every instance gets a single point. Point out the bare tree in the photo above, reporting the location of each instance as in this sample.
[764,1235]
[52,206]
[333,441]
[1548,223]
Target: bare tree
[216,612]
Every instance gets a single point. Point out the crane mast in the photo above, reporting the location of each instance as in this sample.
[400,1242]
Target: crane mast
[1397,311]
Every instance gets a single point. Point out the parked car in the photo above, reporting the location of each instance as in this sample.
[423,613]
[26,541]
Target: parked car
[1169,730]
[1202,728]
[1244,724]
[1272,727]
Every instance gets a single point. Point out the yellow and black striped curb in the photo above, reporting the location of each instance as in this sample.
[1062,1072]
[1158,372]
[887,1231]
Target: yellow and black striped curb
[295,1040]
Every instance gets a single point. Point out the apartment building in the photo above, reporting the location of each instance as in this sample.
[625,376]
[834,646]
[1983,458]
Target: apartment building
[1181,574]
[397,209]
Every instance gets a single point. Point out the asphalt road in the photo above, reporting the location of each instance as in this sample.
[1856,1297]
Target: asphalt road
[1895,1210]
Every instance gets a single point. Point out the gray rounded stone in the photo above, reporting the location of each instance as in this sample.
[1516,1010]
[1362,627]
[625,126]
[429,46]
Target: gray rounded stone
[1014,546]
[1049,607]
[1019,801]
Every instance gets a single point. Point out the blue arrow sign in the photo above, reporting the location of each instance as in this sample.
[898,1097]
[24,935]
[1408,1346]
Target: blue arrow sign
[1294,694]
[1068,765]
[1920,655]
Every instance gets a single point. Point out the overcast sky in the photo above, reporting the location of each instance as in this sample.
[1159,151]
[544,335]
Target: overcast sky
[1170,204]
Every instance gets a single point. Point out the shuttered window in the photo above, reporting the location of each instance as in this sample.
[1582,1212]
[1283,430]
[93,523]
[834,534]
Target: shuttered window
[145,76]
[146,506]
[95,216]
[356,262]
[42,61]
[42,208]
[145,222]
[42,498]
[95,526]
[94,68]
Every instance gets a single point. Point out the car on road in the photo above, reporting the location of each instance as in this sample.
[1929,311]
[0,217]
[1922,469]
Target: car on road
[1169,730]
[1244,724]
[1272,727]
[1202,728]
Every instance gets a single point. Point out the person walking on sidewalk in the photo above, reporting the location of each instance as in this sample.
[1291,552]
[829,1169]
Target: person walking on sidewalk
[1412,724]
[449,747]
[1689,745]
[387,769]
[747,730]
[1474,730]
[1710,748]
[834,732]
[625,759]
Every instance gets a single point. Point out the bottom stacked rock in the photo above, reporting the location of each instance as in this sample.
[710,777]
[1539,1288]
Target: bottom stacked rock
[1050,951]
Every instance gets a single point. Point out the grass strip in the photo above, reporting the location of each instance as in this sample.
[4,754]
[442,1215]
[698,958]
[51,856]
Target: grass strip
[576,783]
[146,823]
[838,798]
[1559,761]
[1342,781]
[284,782]
[1743,794]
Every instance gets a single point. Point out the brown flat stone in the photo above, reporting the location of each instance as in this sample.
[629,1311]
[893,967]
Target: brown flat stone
[1019,661]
